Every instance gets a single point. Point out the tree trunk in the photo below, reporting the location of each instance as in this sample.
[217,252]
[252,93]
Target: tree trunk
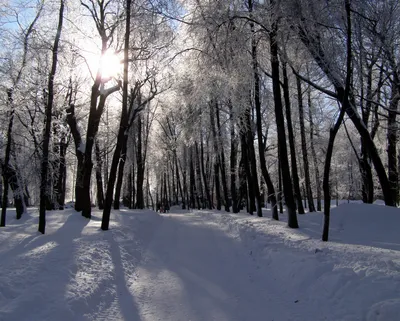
[335,129]
[203,172]
[233,161]
[261,147]
[313,153]
[6,165]
[280,124]
[47,132]
[307,179]
[62,174]
[392,140]
[120,176]
[217,164]
[99,178]
[198,175]
[222,161]
[280,192]
[123,125]
[139,166]
[192,179]
[295,175]
[326,183]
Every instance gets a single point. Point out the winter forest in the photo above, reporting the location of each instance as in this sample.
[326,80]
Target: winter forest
[206,104]
[221,143]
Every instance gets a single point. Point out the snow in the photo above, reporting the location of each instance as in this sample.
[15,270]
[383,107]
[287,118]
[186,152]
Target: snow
[202,265]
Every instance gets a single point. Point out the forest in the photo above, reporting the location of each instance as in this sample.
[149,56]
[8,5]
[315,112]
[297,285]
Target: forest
[208,104]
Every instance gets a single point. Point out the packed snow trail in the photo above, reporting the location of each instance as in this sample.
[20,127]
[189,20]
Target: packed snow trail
[193,271]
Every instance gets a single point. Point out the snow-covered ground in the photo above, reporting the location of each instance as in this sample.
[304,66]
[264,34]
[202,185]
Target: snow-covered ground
[182,266]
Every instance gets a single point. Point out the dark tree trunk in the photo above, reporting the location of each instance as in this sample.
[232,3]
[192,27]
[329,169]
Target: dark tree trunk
[198,175]
[120,176]
[165,196]
[73,125]
[295,175]
[178,180]
[129,189]
[192,180]
[17,188]
[253,166]
[123,125]
[326,183]
[335,129]
[203,172]
[367,187]
[222,161]
[280,192]
[47,132]
[217,164]
[6,165]
[261,146]
[139,166]
[247,188]
[217,186]
[62,174]
[392,139]
[171,163]
[99,178]
[280,124]
[307,179]
[233,161]
[313,153]
[250,136]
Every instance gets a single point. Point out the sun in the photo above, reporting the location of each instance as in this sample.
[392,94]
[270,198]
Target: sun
[110,65]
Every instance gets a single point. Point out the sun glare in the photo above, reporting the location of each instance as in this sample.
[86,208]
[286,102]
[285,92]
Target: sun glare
[110,65]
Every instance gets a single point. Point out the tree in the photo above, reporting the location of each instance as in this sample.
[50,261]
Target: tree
[7,171]
[280,124]
[102,15]
[47,130]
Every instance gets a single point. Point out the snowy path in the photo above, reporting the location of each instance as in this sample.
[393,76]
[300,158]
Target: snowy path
[193,271]
[201,266]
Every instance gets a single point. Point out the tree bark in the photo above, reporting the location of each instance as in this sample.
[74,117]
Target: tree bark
[47,132]
[313,153]
[233,160]
[392,139]
[198,175]
[99,178]
[123,125]
[120,176]
[62,173]
[222,161]
[280,124]
[295,175]
[6,165]
[204,174]
[307,179]
[261,146]
[335,129]
[217,164]
[139,166]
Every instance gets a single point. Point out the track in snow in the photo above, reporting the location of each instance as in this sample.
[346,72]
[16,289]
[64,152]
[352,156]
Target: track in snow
[193,271]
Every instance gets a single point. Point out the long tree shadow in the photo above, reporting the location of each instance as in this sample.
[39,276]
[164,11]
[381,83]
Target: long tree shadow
[126,300]
[202,274]
[39,267]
